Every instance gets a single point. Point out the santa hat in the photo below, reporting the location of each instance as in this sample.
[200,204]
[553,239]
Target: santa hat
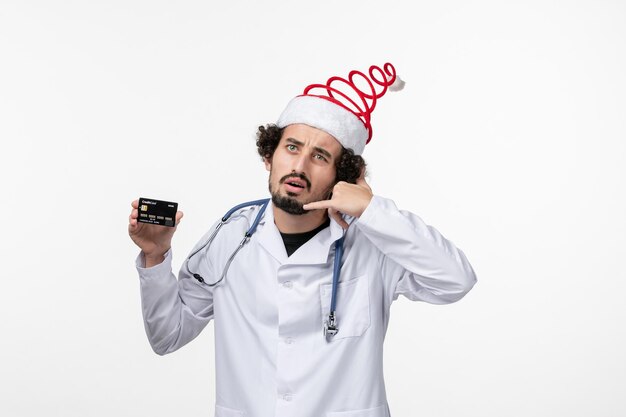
[341,108]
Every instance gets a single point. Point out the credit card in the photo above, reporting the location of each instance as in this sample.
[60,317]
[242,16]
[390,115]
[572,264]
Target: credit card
[157,212]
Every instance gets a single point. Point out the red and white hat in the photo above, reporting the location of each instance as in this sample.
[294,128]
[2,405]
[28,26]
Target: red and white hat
[344,109]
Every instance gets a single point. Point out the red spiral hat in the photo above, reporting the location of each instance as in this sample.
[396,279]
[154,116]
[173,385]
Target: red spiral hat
[342,108]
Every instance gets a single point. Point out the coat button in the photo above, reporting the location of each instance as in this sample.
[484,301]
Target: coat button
[289,340]
[288,284]
[287,397]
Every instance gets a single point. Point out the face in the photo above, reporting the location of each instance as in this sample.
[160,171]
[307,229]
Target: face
[302,169]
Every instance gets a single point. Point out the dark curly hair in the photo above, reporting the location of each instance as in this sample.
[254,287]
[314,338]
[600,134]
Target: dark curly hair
[348,164]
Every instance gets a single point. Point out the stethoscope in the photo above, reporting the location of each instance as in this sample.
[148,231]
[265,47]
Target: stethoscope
[330,325]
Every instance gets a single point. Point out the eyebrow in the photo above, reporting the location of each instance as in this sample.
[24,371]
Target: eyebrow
[317,148]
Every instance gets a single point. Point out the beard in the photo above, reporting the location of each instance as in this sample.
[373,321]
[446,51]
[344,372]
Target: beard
[289,203]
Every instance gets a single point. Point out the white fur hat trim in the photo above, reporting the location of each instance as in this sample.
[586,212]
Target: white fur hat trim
[332,118]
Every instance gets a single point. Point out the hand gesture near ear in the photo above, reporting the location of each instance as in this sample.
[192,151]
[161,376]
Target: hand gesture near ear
[350,199]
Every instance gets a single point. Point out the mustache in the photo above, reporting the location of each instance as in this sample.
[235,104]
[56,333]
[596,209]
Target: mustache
[300,176]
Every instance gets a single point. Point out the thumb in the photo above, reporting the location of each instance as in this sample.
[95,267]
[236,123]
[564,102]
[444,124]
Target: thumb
[179,215]
[361,180]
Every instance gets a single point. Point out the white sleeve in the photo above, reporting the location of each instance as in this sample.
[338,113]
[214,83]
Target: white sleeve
[417,261]
[174,311]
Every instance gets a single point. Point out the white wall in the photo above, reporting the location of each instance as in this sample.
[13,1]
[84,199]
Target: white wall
[509,138]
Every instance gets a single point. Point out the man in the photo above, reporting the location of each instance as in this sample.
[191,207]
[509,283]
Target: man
[288,341]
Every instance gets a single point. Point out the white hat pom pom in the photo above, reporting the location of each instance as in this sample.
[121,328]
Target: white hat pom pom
[397,85]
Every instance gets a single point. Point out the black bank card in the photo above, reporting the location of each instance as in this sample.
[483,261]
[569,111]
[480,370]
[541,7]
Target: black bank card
[157,212]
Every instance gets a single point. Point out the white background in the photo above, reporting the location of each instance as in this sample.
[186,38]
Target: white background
[509,138]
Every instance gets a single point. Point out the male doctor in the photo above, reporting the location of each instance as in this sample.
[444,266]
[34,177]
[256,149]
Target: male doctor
[287,341]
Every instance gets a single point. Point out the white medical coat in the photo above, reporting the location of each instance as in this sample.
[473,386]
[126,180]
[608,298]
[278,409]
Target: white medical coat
[271,356]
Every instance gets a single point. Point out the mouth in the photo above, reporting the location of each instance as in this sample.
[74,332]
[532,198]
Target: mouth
[295,185]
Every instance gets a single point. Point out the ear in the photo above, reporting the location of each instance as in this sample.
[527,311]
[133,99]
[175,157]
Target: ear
[268,164]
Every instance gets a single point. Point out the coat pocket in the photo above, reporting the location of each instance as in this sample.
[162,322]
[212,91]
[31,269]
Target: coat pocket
[381,411]
[227,412]
[352,307]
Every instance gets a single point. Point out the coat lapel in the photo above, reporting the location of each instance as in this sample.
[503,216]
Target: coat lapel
[269,236]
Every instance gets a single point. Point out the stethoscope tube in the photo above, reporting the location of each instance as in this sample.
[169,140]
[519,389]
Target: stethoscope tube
[263,203]
[330,325]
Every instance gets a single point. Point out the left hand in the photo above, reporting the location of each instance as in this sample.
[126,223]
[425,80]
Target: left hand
[351,199]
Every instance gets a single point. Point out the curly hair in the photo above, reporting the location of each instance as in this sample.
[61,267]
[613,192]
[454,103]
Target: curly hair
[348,165]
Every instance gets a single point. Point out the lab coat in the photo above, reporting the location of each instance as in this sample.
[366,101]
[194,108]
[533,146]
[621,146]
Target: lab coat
[271,356]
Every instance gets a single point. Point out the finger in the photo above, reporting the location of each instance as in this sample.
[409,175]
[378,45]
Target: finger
[338,218]
[135,204]
[361,179]
[134,214]
[362,174]
[364,184]
[318,205]
[179,215]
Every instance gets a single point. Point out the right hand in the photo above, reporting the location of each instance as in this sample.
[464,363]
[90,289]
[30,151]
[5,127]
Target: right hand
[153,239]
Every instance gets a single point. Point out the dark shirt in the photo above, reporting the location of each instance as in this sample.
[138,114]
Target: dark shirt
[293,241]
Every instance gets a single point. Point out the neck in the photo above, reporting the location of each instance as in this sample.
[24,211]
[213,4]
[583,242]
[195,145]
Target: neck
[291,223]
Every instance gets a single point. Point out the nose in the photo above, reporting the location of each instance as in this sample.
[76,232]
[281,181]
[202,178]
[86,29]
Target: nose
[301,163]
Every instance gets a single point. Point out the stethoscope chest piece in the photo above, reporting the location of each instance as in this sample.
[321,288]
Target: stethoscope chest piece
[330,327]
